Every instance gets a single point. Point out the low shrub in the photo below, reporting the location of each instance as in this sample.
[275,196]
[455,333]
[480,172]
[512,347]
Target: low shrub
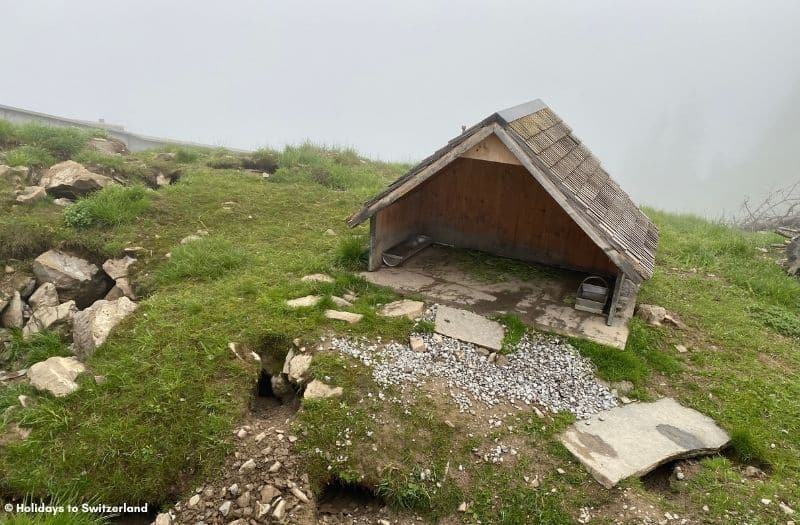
[111,206]
[263,159]
[747,449]
[62,143]
[8,133]
[223,160]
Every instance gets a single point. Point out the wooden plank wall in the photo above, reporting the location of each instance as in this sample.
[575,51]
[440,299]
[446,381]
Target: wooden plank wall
[493,207]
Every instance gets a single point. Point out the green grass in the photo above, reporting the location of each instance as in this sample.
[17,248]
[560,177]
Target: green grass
[515,330]
[32,156]
[22,354]
[62,143]
[161,422]
[111,206]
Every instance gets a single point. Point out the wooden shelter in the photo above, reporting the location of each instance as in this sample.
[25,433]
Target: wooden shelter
[518,184]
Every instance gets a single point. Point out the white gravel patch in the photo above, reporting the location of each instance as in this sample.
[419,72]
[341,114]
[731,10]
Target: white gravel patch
[542,370]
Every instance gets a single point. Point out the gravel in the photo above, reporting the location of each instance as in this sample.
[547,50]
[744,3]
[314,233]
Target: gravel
[542,370]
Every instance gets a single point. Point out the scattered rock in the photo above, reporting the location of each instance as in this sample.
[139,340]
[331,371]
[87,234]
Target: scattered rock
[275,467]
[470,327]
[268,493]
[330,232]
[31,194]
[61,201]
[340,302]
[92,325]
[49,317]
[656,315]
[623,387]
[117,268]
[298,368]
[404,307]
[317,278]
[109,146]
[71,180]
[462,507]
[225,508]
[165,518]
[299,494]
[304,302]
[416,343]
[754,472]
[56,375]
[75,278]
[681,349]
[45,295]
[280,509]
[348,317]
[316,389]
[785,508]
[250,464]
[12,315]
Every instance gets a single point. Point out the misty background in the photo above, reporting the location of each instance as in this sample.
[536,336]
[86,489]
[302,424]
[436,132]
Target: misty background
[690,106]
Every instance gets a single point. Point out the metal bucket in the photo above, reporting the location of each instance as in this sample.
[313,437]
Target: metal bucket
[592,295]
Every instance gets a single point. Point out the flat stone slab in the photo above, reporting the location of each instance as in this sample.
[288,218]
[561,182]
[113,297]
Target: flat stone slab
[632,440]
[348,317]
[404,307]
[469,327]
[304,302]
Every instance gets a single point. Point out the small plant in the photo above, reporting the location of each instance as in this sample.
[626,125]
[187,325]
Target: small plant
[111,206]
[8,133]
[32,156]
[515,331]
[352,253]
[223,160]
[779,319]
[186,155]
[39,347]
[25,237]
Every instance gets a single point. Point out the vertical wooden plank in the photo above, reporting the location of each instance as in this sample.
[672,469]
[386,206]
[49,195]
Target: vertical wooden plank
[615,298]
[374,255]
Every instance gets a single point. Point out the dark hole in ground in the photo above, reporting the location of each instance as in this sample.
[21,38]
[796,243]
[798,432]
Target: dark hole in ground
[658,480]
[340,497]
[266,399]
[144,518]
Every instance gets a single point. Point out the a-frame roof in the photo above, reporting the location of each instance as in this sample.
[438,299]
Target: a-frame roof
[567,170]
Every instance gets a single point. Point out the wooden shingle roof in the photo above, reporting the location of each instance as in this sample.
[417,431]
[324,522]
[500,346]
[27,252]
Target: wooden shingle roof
[566,168]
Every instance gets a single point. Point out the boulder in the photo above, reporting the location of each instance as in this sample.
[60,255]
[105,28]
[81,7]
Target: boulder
[298,368]
[118,268]
[49,317]
[348,317]
[318,390]
[416,343]
[45,295]
[19,282]
[12,314]
[403,308]
[122,288]
[56,375]
[92,325]
[656,315]
[31,194]
[71,180]
[793,257]
[75,278]
[109,146]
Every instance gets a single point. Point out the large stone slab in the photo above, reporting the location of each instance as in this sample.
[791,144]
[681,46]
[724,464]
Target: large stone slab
[632,440]
[469,327]
[75,278]
[56,375]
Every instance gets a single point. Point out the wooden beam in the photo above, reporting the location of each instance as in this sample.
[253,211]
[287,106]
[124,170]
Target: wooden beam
[615,298]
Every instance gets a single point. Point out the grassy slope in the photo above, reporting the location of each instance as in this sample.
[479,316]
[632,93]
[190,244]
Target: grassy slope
[174,390]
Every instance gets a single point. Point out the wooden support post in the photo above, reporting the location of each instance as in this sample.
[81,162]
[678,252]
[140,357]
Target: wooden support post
[374,257]
[612,310]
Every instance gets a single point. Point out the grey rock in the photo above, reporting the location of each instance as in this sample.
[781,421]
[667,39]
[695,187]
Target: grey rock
[298,368]
[304,302]
[12,314]
[75,278]
[92,325]
[72,180]
[634,439]
[109,146]
[56,375]
[31,194]
[268,493]
[117,268]
[121,288]
[316,389]
[49,317]
[280,510]
[45,295]
[348,317]
[225,508]
[469,327]
[165,518]
[317,278]
[403,308]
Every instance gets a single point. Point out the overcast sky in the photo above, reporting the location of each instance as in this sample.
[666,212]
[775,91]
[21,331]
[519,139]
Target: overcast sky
[677,99]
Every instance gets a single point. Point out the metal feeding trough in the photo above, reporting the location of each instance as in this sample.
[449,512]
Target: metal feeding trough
[399,253]
[592,295]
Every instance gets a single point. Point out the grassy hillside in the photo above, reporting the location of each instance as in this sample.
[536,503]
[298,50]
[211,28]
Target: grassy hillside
[162,420]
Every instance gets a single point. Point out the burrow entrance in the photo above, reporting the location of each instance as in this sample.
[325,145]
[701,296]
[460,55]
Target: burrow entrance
[272,392]
[342,498]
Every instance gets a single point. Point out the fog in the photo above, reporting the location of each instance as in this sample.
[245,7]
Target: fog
[690,106]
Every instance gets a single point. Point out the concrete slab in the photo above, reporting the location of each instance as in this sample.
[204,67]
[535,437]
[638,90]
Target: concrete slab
[544,301]
[469,327]
[632,440]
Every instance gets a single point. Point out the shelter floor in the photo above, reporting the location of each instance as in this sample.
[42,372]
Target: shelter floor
[541,296]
